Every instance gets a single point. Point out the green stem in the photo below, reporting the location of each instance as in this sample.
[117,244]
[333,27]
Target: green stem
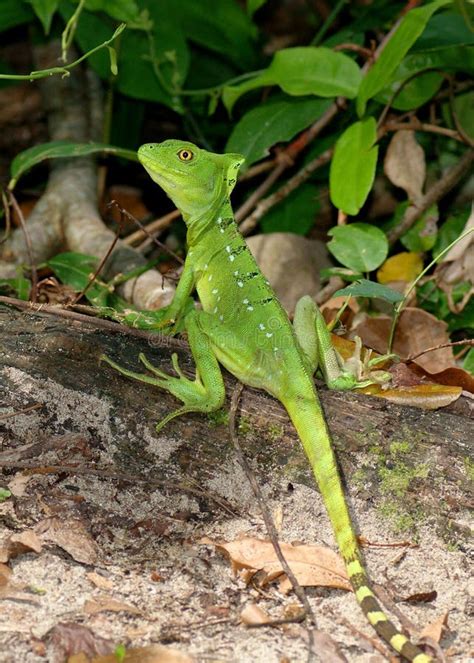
[34,75]
[68,32]
[327,23]
[401,304]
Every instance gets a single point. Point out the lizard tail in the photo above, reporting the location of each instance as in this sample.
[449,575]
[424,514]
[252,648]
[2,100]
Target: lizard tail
[307,417]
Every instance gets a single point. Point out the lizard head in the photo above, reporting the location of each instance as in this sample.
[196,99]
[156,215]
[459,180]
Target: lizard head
[193,178]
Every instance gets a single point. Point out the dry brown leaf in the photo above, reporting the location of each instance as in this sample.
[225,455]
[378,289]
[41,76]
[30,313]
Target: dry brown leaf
[19,544]
[5,575]
[405,165]
[426,396]
[66,639]
[128,197]
[253,614]
[71,535]
[459,249]
[17,485]
[416,330]
[313,566]
[108,604]
[328,650]
[151,654]
[99,580]
[435,629]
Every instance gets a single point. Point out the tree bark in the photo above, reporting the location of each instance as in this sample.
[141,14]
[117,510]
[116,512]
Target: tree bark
[415,460]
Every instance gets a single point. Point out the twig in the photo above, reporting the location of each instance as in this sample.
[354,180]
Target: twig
[269,524]
[258,169]
[286,159]
[96,322]
[293,183]
[435,193]
[152,227]
[29,248]
[163,247]
[36,406]
[415,125]
[467,341]
[117,476]
[101,264]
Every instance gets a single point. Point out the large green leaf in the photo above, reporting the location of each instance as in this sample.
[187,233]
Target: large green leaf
[271,123]
[60,148]
[295,214]
[149,66]
[44,10]
[403,38]
[14,13]
[223,27]
[122,10]
[304,70]
[358,246]
[365,288]
[353,166]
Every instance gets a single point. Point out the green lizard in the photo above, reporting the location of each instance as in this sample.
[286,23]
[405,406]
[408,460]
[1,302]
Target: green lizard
[243,327]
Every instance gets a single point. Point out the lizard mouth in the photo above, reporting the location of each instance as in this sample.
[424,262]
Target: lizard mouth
[156,175]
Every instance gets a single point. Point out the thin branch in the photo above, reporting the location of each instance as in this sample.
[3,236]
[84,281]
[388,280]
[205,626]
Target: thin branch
[415,125]
[443,186]
[293,183]
[269,524]
[151,228]
[467,341]
[29,247]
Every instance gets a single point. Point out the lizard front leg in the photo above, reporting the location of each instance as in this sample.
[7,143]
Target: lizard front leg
[315,341]
[205,393]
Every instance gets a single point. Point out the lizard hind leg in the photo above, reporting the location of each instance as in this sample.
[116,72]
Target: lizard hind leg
[205,393]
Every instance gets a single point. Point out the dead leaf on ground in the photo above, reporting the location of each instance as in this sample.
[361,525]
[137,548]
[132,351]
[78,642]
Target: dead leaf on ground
[66,639]
[405,164]
[17,485]
[435,629]
[416,330]
[426,396]
[128,197]
[253,615]
[327,648]
[421,597]
[313,566]
[108,604]
[99,581]
[5,575]
[19,544]
[405,266]
[71,535]
[151,654]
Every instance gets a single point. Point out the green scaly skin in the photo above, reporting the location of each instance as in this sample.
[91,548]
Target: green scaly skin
[243,327]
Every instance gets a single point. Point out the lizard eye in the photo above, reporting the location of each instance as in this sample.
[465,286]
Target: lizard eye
[185,155]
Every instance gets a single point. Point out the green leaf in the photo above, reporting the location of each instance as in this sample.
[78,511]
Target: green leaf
[303,70]
[415,93]
[450,231]
[345,274]
[422,235]
[122,10]
[296,213]
[365,288]
[403,38]
[4,494]
[44,10]
[468,363]
[353,166]
[463,105]
[14,13]
[60,148]
[254,5]
[75,270]
[19,285]
[223,27]
[271,123]
[358,246]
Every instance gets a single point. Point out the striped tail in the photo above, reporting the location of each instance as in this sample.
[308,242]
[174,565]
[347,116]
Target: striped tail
[306,415]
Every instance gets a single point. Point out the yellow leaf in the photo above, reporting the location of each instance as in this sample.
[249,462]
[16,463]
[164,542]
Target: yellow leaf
[404,266]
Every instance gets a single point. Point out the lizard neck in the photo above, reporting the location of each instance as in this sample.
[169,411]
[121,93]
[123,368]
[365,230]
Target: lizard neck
[205,220]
